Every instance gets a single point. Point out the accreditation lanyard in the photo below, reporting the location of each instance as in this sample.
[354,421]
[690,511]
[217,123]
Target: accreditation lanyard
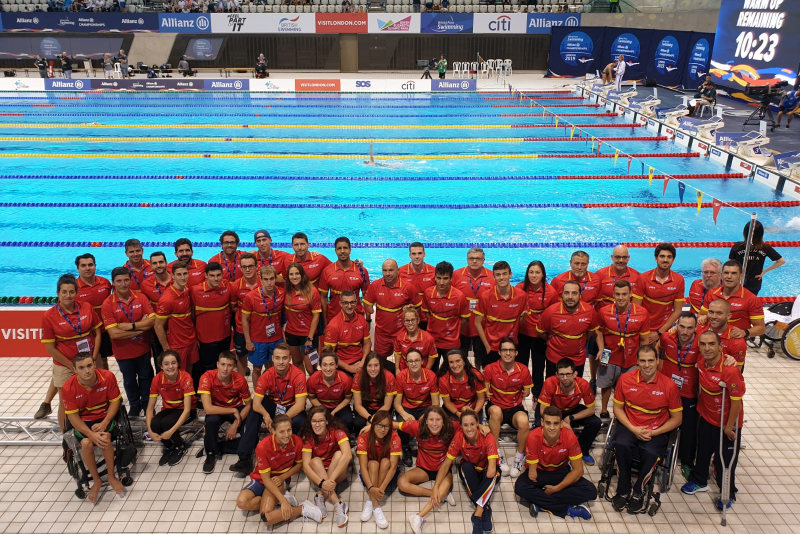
[261,259]
[281,395]
[274,303]
[231,275]
[136,278]
[78,330]
[619,325]
[128,314]
[682,358]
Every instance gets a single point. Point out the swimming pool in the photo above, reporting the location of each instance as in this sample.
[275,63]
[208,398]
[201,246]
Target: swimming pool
[455,170]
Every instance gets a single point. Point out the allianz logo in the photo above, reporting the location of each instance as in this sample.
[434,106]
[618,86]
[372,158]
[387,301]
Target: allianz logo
[227,85]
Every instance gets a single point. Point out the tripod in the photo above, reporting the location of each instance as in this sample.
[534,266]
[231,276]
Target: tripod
[759,115]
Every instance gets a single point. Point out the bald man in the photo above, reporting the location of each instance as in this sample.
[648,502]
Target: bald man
[388,295]
[719,315]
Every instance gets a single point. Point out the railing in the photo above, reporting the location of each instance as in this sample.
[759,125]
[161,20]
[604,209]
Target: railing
[652,6]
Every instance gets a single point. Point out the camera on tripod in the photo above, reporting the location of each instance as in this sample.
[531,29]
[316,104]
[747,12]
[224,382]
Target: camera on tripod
[768,94]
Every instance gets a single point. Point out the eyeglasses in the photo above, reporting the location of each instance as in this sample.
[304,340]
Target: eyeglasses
[381,426]
[229,242]
[318,422]
[565,375]
[248,266]
[348,303]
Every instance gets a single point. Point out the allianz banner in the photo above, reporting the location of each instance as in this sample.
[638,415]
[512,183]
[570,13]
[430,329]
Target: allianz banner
[542,22]
[184,23]
[454,85]
[667,59]
[80,22]
[574,52]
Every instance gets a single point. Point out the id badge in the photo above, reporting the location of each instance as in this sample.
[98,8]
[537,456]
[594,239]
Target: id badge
[270,330]
[313,357]
[472,305]
[678,381]
[83,345]
[280,409]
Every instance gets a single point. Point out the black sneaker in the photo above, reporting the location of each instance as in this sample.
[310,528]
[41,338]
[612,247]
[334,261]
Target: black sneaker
[134,411]
[593,387]
[247,371]
[210,463]
[177,456]
[407,460]
[244,465]
[165,457]
[637,504]
[619,502]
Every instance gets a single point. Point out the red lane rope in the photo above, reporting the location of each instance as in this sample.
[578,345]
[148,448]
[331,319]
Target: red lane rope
[711,244]
[659,177]
[768,204]
[534,115]
[775,300]
[612,125]
[647,138]
[674,155]
[549,106]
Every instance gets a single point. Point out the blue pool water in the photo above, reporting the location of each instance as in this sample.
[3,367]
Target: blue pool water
[310,174]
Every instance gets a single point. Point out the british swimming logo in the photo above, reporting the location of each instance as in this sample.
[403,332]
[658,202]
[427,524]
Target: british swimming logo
[289,25]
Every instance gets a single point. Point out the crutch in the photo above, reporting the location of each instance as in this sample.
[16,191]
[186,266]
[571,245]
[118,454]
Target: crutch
[725,490]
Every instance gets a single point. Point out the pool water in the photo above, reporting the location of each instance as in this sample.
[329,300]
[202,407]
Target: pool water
[453,171]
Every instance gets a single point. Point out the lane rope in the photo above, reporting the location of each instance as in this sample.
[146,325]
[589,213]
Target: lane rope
[343,156]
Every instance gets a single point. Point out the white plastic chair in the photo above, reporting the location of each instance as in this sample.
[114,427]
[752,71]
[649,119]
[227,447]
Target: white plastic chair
[484,69]
[117,71]
[456,69]
[507,67]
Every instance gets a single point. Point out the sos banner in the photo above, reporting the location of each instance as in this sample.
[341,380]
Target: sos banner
[633,45]
[757,43]
[667,60]
[574,53]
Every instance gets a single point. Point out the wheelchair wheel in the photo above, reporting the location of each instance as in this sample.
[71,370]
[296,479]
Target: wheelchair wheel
[79,493]
[127,480]
[791,340]
[601,490]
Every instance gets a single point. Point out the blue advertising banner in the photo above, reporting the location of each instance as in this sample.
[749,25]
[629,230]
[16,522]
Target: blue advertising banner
[454,85]
[226,85]
[782,160]
[633,45]
[542,22]
[668,55]
[184,23]
[150,84]
[60,84]
[701,46]
[729,138]
[446,23]
[574,52]
[80,22]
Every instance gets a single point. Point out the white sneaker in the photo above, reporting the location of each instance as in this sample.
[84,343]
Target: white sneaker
[366,513]
[504,467]
[416,523]
[516,469]
[340,512]
[319,502]
[291,499]
[380,519]
[451,500]
[310,511]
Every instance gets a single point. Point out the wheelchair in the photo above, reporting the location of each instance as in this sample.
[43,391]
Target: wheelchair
[785,334]
[664,473]
[125,454]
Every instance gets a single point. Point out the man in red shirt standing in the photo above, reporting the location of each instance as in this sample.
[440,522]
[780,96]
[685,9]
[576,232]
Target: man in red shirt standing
[663,292]
[313,262]
[711,271]
[92,400]
[139,268]
[128,319]
[347,334]
[473,280]
[229,257]
[566,326]
[624,326]
[618,270]
[417,272]
[712,370]
[448,312]
[499,312]
[240,288]
[212,302]
[719,315]
[747,314]
[197,268]
[648,407]
[268,256]
[262,318]
[174,325]
[154,286]
[342,275]
[386,298]
[94,290]
[579,272]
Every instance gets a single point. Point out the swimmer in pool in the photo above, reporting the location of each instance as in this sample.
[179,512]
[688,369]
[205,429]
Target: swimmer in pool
[371,160]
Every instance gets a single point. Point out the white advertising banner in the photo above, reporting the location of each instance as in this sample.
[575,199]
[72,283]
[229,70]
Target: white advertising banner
[408,86]
[500,23]
[272,85]
[22,84]
[394,22]
[263,23]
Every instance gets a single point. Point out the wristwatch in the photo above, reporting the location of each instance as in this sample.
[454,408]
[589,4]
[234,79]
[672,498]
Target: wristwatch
[571,418]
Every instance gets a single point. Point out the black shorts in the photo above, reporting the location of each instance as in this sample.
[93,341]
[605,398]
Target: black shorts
[431,474]
[508,415]
[240,344]
[106,349]
[298,341]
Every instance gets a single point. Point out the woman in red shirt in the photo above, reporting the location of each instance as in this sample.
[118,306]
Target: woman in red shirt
[417,388]
[303,311]
[413,337]
[331,388]
[378,453]
[373,389]
[531,346]
[326,459]
[179,405]
[460,385]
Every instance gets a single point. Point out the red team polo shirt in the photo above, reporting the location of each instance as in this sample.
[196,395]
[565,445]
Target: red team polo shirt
[552,394]
[71,332]
[347,336]
[507,389]
[212,312]
[136,309]
[329,396]
[416,394]
[176,308]
[94,294]
[336,280]
[461,394]
[272,461]
[138,277]
[421,280]
[736,347]
[608,277]
[553,457]
[697,294]
[324,448]
[173,394]
[313,265]
[300,312]
[680,364]
[369,399]
[233,395]
[621,332]
[567,332]
[472,288]
[284,391]
[389,302]
[501,315]
[197,272]
[154,290]
[239,290]
[91,405]
[362,446]
[424,343]
[647,403]
[659,298]
[431,451]
[262,312]
[485,448]
[277,259]
[745,307]
[709,402]
[590,285]
[445,315]
[231,270]
[538,301]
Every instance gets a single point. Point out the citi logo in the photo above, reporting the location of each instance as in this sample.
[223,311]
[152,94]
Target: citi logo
[408,86]
[502,24]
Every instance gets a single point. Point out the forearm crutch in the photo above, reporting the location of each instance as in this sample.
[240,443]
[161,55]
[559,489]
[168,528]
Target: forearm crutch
[725,490]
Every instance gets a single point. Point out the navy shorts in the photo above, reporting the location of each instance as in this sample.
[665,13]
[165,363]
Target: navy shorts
[263,353]
[258,488]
